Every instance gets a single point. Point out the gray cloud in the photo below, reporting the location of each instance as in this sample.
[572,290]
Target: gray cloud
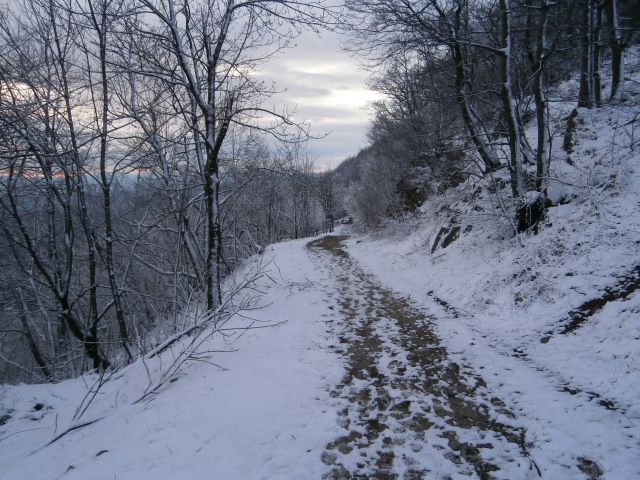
[328,90]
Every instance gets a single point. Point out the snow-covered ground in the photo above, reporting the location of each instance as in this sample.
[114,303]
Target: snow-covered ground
[266,415]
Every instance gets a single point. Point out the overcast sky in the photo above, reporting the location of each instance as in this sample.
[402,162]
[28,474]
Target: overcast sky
[329,91]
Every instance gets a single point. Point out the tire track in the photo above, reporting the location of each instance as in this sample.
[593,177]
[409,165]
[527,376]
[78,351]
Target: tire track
[408,411]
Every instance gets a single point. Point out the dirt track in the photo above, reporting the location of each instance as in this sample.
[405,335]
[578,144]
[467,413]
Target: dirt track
[408,412]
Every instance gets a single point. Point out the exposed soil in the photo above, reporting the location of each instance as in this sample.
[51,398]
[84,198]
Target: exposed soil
[625,286]
[408,411]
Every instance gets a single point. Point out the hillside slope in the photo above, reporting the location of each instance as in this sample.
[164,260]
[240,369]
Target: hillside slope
[552,319]
[251,404]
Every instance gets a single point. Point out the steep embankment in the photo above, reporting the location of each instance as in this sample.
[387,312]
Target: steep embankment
[250,404]
[553,319]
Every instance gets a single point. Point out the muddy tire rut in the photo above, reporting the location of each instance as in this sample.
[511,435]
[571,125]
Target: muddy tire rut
[407,410]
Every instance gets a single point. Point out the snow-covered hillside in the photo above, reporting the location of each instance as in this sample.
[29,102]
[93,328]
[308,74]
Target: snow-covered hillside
[552,319]
[260,410]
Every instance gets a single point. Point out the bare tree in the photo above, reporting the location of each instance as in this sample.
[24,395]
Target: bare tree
[44,153]
[620,37]
[117,180]
[215,45]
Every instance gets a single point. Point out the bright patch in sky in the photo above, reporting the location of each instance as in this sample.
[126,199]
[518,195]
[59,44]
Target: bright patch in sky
[347,98]
[327,89]
[333,68]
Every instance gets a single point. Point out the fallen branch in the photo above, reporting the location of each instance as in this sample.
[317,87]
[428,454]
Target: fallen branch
[22,431]
[173,339]
[71,429]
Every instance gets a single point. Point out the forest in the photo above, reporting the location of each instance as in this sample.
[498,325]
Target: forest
[140,164]
[139,167]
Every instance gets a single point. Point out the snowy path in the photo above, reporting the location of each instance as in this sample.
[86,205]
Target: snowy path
[349,381]
[407,410]
[575,395]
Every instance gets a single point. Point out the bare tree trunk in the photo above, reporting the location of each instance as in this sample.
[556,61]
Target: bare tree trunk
[211,187]
[60,57]
[597,55]
[538,58]
[509,104]
[479,136]
[586,96]
[618,47]
[212,198]
[99,22]
[33,346]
